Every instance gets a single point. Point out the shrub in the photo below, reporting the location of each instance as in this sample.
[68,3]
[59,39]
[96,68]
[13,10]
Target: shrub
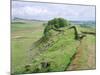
[56,23]
[59,22]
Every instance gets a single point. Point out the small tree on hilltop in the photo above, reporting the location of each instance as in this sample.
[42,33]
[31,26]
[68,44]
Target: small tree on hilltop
[55,24]
[58,22]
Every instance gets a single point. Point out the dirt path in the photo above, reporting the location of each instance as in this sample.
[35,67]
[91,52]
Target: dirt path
[85,57]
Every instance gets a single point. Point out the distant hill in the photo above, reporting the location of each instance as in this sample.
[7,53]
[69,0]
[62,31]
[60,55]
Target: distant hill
[22,19]
[84,22]
[74,22]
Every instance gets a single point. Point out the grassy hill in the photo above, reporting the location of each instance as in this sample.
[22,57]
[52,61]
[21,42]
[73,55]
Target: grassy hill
[32,52]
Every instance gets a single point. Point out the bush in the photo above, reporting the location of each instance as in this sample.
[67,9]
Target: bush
[56,23]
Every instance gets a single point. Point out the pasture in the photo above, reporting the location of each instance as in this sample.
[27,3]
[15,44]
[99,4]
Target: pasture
[61,50]
[23,35]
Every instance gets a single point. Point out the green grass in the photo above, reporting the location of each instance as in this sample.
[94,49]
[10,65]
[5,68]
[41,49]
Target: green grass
[16,26]
[88,46]
[54,54]
[23,35]
[57,49]
[61,49]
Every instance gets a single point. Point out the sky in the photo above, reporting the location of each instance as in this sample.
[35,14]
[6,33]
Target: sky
[47,11]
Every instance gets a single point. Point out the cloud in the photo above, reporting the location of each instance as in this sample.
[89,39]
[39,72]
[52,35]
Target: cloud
[28,11]
[48,11]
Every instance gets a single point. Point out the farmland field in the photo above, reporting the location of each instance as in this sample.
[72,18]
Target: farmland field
[23,35]
[64,53]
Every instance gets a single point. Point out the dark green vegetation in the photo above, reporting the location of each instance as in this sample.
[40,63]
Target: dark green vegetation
[55,24]
[53,47]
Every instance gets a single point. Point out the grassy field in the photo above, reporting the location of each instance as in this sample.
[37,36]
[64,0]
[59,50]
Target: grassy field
[29,47]
[85,57]
[23,35]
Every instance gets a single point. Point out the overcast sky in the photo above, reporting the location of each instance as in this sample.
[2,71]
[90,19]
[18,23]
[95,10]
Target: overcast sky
[46,11]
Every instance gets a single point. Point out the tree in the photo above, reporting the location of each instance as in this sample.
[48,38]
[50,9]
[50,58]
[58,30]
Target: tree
[58,22]
[55,24]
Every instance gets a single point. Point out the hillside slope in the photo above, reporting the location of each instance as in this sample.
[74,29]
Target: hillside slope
[52,53]
[60,50]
